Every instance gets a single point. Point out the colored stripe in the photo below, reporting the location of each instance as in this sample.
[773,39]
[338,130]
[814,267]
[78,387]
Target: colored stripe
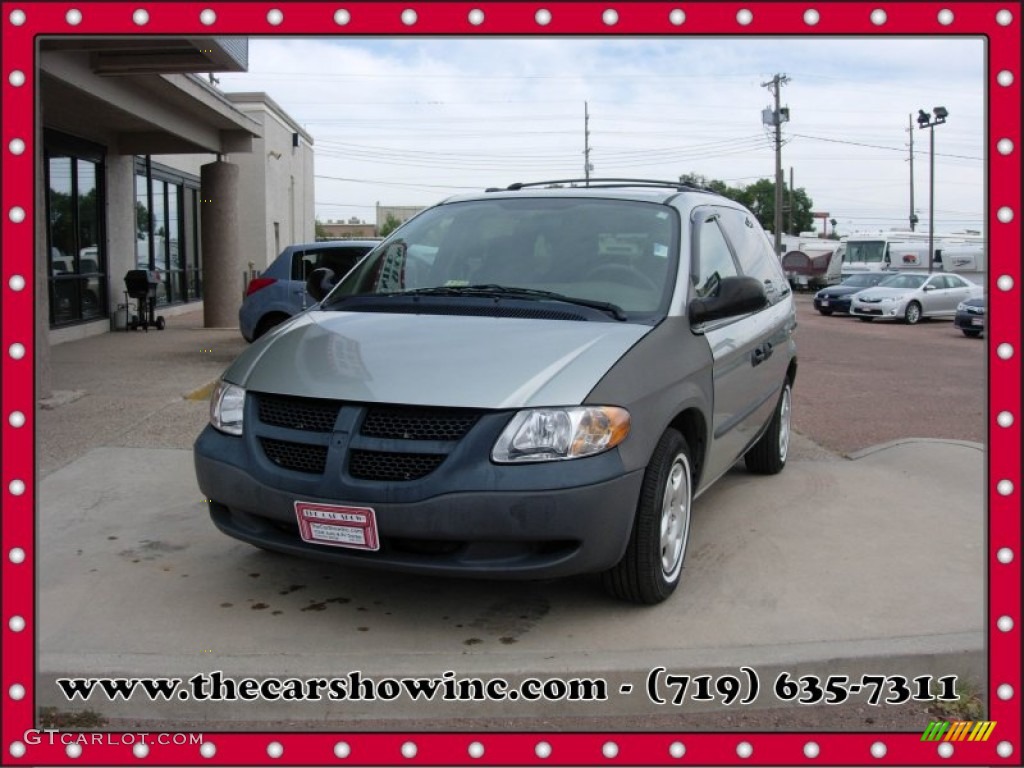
[976,730]
[934,731]
[988,731]
[956,730]
[926,736]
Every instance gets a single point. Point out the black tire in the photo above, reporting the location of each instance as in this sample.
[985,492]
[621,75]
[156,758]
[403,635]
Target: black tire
[825,312]
[160,323]
[134,325]
[971,334]
[912,314]
[267,322]
[651,567]
[865,319]
[768,455]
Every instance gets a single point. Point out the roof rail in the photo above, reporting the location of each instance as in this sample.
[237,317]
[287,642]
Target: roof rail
[605,182]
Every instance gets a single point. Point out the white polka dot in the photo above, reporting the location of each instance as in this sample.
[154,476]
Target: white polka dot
[945,749]
[610,750]
[208,749]
[73,17]
[1005,214]
[409,750]
[1004,749]
[476,18]
[1004,419]
[744,16]
[811,749]
[878,18]
[677,17]
[677,749]
[1004,18]
[342,17]
[17,146]
[409,17]
[1005,555]
[1004,487]
[1004,146]
[16,692]
[1005,624]
[16,419]
[1005,78]
[342,750]
[945,17]
[811,17]
[17,17]
[17,749]
[208,16]
[16,556]
[543,17]
[16,214]
[476,750]
[141,17]
[275,749]
[1005,691]
[140,750]
[878,750]
[275,16]
[16,78]
[1004,351]
[17,624]
[16,487]
[1005,283]
[16,351]
[543,750]
[744,749]
[16,283]
[610,17]
[74,751]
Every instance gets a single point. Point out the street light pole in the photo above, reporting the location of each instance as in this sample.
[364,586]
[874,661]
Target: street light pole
[926,120]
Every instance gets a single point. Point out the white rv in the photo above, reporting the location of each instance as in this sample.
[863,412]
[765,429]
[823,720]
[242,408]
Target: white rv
[907,251]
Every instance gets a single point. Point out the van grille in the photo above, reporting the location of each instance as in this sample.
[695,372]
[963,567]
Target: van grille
[418,423]
[298,413]
[381,465]
[299,457]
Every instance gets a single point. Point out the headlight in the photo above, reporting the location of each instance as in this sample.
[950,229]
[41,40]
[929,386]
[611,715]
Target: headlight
[552,434]
[894,298]
[961,307]
[227,408]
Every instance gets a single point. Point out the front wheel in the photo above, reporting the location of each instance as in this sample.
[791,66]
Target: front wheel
[971,334]
[913,313]
[825,312]
[649,571]
[768,455]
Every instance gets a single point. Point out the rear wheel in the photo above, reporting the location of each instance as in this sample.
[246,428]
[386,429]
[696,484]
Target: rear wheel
[650,569]
[768,455]
[912,314]
[267,322]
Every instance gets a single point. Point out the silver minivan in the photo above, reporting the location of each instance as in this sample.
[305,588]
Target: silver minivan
[529,382]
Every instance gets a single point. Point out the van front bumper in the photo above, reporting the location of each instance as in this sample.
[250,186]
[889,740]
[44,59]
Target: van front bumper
[522,522]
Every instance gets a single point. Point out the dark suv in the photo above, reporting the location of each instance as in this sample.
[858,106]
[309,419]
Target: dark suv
[523,383]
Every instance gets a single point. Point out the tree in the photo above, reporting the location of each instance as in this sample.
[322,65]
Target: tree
[759,197]
[390,225]
[319,231]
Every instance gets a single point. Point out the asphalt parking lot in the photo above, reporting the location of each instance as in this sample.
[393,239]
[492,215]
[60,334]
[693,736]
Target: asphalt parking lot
[843,562]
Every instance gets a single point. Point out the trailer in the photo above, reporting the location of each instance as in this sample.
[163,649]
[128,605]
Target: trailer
[896,250]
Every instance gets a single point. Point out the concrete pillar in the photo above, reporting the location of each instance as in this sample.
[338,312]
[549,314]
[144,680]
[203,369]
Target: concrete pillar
[222,261]
[43,372]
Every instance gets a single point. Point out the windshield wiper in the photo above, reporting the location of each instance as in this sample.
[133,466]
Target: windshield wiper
[499,291]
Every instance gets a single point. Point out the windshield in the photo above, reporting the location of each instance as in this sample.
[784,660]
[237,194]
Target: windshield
[867,251]
[621,253]
[903,281]
[863,281]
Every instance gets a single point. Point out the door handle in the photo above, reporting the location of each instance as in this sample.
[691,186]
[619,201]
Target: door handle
[759,355]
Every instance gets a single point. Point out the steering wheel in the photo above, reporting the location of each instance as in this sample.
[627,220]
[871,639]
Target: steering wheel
[624,272]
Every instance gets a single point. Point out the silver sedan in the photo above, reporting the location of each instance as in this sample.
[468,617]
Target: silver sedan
[909,297]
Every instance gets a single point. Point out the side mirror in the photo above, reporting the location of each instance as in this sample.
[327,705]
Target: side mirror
[735,296]
[320,282]
[929,288]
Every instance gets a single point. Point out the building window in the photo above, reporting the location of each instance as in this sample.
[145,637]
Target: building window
[167,230]
[76,252]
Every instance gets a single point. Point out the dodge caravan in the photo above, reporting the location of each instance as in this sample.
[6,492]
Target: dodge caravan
[529,382]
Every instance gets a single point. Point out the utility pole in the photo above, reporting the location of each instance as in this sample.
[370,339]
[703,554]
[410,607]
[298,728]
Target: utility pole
[789,226]
[777,117]
[910,130]
[586,142]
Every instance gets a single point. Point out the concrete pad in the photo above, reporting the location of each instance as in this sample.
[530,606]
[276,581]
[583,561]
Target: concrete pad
[833,567]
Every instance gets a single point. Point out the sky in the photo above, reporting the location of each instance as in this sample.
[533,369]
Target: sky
[411,121]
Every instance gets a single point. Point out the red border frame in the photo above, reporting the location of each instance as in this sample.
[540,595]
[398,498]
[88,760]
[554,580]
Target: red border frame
[434,18]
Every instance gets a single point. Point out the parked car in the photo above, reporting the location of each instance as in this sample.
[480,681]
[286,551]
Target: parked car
[837,298]
[524,383]
[280,291]
[970,316]
[909,297]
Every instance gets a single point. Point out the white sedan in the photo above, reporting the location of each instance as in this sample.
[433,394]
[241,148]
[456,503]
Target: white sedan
[909,297]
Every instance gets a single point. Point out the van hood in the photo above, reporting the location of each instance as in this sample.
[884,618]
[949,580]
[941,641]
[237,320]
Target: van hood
[441,360]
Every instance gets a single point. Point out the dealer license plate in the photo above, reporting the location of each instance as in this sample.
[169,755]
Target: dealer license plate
[977,321]
[337,526]
[824,302]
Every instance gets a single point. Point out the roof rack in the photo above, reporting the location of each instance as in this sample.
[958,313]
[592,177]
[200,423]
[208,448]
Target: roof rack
[604,183]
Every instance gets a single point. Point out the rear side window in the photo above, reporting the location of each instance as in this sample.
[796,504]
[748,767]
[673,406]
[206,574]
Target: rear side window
[714,260]
[338,259]
[754,251]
